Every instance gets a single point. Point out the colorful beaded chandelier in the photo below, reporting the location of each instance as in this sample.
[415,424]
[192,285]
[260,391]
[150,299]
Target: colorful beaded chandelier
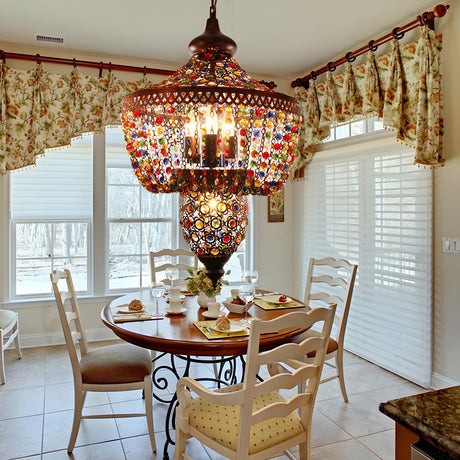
[213,134]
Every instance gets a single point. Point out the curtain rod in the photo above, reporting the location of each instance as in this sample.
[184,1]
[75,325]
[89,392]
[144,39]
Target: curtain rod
[78,62]
[98,65]
[426,18]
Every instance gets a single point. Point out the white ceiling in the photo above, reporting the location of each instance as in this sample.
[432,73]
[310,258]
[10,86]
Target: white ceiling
[278,38]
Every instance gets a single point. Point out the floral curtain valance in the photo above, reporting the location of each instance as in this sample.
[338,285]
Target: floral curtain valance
[403,88]
[41,110]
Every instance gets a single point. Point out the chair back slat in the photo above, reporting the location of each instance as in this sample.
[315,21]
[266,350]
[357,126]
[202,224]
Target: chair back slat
[291,350]
[281,409]
[76,336]
[57,275]
[70,317]
[328,279]
[326,298]
[334,263]
[161,260]
[65,295]
[286,381]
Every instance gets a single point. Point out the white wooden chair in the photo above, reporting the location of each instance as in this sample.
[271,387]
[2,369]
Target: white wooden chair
[111,368]
[175,259]
[9,331]
[253,420]
[331,281]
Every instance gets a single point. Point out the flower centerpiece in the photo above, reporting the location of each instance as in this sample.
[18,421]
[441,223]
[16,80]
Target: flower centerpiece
[198,283]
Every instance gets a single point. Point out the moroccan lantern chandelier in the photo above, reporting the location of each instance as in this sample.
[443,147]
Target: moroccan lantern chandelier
[213,134]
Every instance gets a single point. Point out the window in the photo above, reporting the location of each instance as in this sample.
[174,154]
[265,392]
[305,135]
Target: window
[368,204]
[65,214]
[138,221]
[356,127]
[51,210]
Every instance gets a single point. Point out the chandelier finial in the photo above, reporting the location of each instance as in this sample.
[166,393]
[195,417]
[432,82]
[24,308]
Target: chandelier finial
[212,36]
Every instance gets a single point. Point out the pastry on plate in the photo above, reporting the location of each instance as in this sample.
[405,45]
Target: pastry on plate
[136,305]
[223,323]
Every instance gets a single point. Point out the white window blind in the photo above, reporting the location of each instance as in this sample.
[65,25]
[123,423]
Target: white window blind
[59,187]
[369,204]
[51,209]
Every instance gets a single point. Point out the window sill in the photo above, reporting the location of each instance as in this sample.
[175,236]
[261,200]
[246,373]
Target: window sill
[45,302]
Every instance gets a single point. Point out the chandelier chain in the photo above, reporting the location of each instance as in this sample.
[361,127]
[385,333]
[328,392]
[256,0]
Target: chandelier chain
[212,9]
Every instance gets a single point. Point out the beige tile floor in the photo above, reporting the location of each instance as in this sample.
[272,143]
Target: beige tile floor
[37,400]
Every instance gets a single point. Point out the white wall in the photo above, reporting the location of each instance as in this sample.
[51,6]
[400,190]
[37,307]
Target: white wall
[447,210]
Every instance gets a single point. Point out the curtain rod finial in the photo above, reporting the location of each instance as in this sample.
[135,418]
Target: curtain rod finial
[440,10]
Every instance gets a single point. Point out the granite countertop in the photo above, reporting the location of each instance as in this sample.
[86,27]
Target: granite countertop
[434,416]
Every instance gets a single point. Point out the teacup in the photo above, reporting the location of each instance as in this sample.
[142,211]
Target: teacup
[235,293]
[175,305]
[214,309]
[175,292]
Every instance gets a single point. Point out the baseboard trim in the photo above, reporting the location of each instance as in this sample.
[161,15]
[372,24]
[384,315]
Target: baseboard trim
[438,382]
[57,338]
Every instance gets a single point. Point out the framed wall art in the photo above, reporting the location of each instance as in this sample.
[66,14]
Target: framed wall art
[276,206]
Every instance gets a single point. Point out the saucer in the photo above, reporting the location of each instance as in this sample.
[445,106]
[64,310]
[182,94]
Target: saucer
[182,310]
[206,314]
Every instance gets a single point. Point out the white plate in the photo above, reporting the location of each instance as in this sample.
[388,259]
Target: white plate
[182,310]
[127,311]
[275,299]
[235,326]
[206,314]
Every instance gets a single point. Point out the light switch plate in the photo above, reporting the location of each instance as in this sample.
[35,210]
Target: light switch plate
[451,245]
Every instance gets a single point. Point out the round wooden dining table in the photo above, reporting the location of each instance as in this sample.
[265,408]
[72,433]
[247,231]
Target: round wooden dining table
[178,337]
[177,334]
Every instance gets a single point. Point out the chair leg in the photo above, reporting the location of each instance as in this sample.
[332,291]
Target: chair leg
[16,340]
[304,451]
[2,361]
[149,410]
[339,365]
[179,451]
[214,367]
[79,401]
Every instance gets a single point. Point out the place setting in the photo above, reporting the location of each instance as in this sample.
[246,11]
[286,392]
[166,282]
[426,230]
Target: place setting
[134,311]
[277,302]
[219,325]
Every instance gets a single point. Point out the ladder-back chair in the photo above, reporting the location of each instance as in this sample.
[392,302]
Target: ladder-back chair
[253,420]
[110,368]
[331,281]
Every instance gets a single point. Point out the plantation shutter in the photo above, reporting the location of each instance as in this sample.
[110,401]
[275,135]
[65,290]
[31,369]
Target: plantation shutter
[368,204]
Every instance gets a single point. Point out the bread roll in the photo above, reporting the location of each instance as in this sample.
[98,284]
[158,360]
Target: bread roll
[223,323]
[136,305]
